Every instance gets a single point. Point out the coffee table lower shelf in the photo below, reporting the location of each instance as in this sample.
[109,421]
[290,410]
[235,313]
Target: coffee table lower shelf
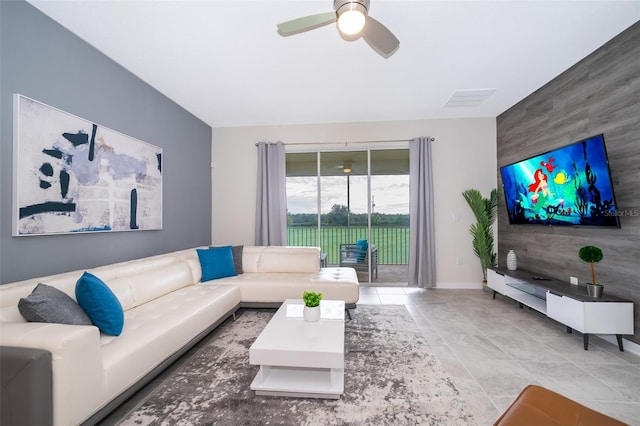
[300,382]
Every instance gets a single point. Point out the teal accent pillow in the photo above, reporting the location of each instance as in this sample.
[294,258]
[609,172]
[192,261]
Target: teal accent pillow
[364,245]
[216,262]
[236,251]
[100,304]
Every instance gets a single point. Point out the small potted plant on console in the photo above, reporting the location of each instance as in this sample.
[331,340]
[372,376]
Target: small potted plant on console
[592,254]
[311,301]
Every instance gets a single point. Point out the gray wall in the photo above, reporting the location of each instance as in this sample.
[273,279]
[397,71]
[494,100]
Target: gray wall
[600,94]
[42,60]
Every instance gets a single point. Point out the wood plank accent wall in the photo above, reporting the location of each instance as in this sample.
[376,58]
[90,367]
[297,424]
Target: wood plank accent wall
[600,94]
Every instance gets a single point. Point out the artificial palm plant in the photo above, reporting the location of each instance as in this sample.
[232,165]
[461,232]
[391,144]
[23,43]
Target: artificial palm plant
[485,211]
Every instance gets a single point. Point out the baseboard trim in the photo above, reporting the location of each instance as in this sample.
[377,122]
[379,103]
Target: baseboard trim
[459,286]
[628,345]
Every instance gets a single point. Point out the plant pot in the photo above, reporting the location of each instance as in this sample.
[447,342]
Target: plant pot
[311,314]
[594,291]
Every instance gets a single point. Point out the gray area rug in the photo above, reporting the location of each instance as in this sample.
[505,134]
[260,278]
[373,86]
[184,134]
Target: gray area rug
[390,379]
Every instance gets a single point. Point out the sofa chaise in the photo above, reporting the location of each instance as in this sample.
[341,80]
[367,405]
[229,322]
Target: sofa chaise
[167,309]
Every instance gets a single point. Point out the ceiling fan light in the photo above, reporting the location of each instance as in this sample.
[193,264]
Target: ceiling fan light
[352,20]
[346,169]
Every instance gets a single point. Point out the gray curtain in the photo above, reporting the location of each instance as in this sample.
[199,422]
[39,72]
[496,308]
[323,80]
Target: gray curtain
[271,198]
[422,247]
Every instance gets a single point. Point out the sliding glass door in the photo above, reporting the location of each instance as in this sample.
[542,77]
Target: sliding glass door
[354,205]
[303,206]
[390,213]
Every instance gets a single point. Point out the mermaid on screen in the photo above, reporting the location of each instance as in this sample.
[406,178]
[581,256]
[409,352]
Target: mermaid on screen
[540,184]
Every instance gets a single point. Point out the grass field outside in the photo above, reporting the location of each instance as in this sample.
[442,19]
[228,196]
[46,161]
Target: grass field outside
[392,242]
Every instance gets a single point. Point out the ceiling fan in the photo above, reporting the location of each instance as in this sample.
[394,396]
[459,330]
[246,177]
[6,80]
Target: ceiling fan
[346,166]
[353,23]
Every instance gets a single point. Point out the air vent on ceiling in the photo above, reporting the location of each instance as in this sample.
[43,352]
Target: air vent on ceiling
[469,98]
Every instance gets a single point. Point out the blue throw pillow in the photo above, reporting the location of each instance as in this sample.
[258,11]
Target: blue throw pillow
[100,304]
[236,251]
[364,245]
[216,262]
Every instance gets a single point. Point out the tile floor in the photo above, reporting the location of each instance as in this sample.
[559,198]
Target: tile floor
[492,349]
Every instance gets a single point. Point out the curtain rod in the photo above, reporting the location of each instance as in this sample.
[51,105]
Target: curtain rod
[349,143]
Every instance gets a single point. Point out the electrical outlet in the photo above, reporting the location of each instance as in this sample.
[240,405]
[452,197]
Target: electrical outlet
[573,280]
[459,260]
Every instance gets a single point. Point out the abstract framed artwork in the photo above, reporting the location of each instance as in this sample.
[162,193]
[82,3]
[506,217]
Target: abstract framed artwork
[71,175]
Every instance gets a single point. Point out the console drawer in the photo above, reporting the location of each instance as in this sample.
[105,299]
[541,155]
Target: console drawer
[566,310]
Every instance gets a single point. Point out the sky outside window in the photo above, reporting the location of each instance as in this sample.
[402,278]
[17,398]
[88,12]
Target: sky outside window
[390,193]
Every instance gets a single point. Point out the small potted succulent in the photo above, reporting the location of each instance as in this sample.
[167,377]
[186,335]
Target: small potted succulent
[311,301]
[592,255]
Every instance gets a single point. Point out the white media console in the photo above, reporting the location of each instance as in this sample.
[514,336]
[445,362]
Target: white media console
[566,303]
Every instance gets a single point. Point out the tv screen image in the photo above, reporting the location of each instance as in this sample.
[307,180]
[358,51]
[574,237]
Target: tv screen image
[567,186]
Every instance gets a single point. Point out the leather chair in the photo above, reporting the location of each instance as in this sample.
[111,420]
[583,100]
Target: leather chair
[536,406]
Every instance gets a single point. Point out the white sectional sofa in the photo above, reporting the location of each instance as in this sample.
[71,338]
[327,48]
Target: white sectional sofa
[273,274]
[166,311]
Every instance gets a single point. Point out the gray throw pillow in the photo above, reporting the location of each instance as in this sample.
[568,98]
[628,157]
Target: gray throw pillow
[237,258]
[48,304]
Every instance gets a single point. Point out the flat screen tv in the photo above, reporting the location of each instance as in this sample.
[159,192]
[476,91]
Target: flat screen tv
[567,186]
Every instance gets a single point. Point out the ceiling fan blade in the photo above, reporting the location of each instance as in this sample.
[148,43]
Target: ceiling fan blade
[380,38]
[306,23]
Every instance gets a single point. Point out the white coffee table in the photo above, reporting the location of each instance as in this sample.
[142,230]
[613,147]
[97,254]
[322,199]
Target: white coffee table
[299,358]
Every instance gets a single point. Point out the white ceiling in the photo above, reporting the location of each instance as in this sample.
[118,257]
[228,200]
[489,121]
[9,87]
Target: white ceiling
[224,62]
